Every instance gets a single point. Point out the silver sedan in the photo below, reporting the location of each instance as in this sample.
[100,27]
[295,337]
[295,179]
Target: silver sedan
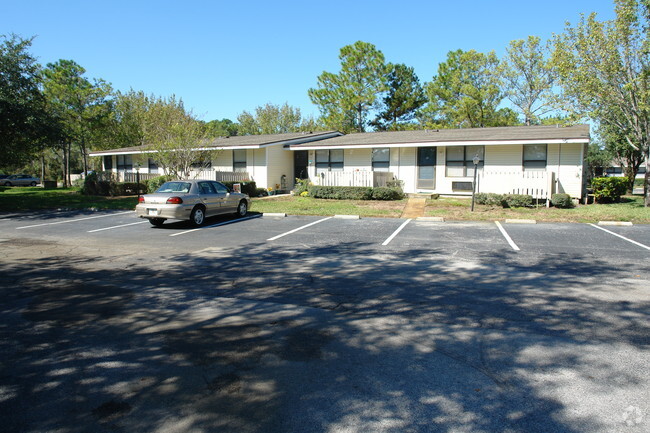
[192,200]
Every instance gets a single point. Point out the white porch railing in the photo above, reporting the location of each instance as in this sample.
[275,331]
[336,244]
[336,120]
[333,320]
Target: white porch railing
[539,184]
[353,178]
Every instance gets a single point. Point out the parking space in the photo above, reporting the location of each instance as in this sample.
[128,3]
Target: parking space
[388,233]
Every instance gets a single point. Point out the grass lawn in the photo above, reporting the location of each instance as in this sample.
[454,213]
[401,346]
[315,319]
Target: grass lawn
[314,206]
[34,198]
[630,209]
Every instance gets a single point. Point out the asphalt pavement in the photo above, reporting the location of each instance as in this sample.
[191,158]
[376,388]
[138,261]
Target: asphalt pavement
[320,324]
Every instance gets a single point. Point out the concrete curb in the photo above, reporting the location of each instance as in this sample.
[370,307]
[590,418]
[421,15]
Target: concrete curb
[431,219]
[614,223]
[520,221]
[348,217]
[274,214]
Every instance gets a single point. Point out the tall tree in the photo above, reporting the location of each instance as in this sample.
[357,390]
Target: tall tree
[176,136]
[603,68]
[82,106]
[274,119]
[25,122]
[404,96]
[628,157]
[346,99]
[529,78]
[466,92]
[221,128]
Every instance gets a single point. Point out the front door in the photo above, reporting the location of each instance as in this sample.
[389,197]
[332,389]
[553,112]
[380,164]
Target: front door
[426,168]
[300,164]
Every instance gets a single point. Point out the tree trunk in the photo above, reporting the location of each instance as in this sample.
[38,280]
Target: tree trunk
[646,184]
[42,167]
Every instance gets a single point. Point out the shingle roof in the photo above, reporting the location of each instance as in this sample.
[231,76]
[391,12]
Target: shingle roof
[496,135]
[239,141]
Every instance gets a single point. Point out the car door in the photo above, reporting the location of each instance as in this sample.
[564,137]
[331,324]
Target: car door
[210,198]
[229,203]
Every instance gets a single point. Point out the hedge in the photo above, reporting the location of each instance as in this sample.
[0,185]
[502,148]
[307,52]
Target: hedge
[249,188]
[562,201]
[488,198]
[154,183]
[609,189]
[355,193]
[517,200]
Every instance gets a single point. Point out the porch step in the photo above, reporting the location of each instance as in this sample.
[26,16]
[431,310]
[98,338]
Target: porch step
[414,207]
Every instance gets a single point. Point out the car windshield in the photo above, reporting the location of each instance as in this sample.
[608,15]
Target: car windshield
[175,187]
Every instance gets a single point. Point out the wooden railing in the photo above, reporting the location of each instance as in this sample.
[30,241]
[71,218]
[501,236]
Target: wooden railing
[538,183]
[353,178]
[130,176]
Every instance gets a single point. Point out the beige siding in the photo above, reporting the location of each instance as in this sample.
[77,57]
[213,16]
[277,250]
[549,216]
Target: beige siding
[406,170]
[357,159]
[279,162]
[568,168]
[222,161]
[256,166]
[506,158]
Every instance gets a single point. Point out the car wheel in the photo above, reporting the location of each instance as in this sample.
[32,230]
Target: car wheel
[242,208]
[32,184]
[157,221]
[7,183]
[197,216]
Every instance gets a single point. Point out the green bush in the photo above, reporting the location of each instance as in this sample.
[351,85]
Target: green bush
[154,183]
[562,201]
[609,189]
[248,187]
[517,200]
[301,186]
[354,193]
[93,186]
[489,198]
[341,192]
[387,193]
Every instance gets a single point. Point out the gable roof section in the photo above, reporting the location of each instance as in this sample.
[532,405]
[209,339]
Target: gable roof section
[236,142]
[454,137]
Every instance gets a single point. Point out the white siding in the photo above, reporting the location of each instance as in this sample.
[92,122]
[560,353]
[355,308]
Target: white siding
[256,166]
[566,161]
[406,170]
[222,161]
[279,162]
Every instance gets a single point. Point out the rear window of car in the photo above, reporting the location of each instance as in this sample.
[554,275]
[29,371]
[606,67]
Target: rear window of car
[175,187]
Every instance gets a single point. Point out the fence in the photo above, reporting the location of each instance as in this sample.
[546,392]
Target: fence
[353,178]
[539,184]
[130,177]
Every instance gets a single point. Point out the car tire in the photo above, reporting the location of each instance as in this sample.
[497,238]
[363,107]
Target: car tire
[7,183]
[32,184]
[197,217]
[242,208]
[156,221]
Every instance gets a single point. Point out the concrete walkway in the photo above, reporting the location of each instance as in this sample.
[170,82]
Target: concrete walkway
[414,207]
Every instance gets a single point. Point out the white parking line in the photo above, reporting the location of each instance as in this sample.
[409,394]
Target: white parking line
[74,220]
[505,235]
[298,229]
[216,225]
[390,238]
[622,237]
[115,227]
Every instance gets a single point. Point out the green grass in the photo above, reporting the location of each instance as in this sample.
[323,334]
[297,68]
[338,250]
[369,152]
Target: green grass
[630,209]
[28,198]
[313,206]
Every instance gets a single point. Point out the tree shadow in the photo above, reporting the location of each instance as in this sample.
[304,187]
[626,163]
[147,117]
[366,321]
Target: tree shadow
[329,338]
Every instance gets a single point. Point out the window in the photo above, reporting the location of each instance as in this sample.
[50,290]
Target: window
[534,157]
[460,160]
[239,161]
[108,162]
[329,160]
[124,162]
[220,188]
[153,166]
[380,159]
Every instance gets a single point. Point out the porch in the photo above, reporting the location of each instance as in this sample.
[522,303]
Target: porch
[538,183]
[354,178]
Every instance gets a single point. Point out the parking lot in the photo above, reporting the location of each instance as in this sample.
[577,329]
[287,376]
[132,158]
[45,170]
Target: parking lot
[322,324]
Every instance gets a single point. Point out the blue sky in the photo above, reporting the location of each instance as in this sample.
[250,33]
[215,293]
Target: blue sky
[226,57]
